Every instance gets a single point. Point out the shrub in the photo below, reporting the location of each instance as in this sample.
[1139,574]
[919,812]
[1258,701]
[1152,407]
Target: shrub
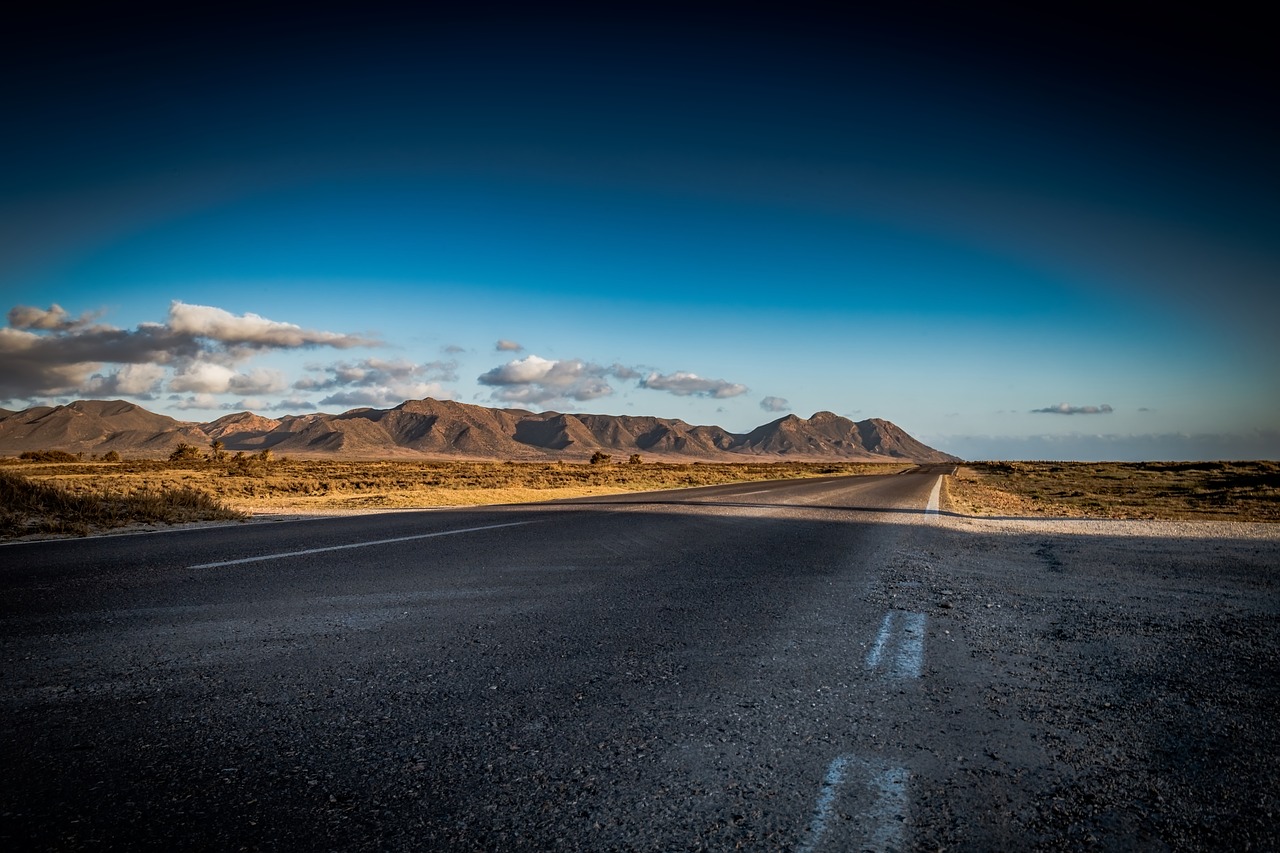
[600,458]
[635,459]
[49,456]
[111,456]
[28,506]
[185,453]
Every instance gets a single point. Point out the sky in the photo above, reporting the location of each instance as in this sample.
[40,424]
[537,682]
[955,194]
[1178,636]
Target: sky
[1039,234]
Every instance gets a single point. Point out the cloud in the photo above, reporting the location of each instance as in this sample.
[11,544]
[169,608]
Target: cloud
[371,372]
[54,319]
[452,349]
[215,324]
[504,345]
[196,401]
[63,361]
[290,405]
[210,378]
[684,384]
[623,372]
[775,404]
[1067,409]
[379,383]
[46,352]
[535,380]
[49,352]
[132,380]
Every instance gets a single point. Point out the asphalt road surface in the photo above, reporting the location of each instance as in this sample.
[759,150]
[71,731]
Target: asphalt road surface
[803,665]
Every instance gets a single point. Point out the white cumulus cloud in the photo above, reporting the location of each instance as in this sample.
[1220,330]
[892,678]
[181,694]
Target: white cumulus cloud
[206,321]
[536,380]
[684,384]
[49,352]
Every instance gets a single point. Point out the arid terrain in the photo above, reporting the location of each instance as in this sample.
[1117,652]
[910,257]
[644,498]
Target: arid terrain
[96,494]
[263,485]
[1166,491]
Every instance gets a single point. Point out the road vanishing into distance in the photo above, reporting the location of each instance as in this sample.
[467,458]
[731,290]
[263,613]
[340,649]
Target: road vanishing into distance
[803,665]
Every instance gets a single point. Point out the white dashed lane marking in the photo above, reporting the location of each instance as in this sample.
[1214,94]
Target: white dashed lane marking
[898,650]
[870,801]
[304,552]
[869,798]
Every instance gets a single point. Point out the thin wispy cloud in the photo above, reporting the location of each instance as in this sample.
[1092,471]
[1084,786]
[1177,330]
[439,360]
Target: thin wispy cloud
[380,383]
[1068,409]
[508,346]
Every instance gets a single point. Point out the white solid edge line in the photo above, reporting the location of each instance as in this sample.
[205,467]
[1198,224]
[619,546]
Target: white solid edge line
[932,507]
[355,545]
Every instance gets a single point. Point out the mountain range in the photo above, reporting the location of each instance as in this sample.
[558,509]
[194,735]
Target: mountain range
[444,428]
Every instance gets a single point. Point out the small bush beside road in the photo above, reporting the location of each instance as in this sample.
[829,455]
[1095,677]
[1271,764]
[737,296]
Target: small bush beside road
[28,507]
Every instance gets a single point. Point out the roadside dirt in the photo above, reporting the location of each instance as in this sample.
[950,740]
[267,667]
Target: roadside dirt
[1117,682]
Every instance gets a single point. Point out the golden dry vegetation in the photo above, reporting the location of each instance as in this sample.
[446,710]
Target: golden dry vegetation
[61,493]
[1173,491]
[30,507]
[256,484]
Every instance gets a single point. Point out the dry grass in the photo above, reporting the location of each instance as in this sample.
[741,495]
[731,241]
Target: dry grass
[1172,491]
[252,484]
[30,507]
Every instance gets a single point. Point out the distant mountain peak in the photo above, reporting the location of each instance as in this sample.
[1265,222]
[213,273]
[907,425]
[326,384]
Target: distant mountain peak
[448,428]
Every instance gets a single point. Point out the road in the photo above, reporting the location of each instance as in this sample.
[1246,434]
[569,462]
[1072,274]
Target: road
[800,665]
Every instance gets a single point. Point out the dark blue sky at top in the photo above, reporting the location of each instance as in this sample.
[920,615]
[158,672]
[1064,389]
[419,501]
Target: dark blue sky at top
[984,162]
[1105,108]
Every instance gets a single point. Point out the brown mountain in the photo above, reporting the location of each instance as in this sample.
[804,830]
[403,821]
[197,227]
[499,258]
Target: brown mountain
[827,435]
[95,426]
[444,428]
[239,424]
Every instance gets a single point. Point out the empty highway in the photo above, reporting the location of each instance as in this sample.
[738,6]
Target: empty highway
[803,665]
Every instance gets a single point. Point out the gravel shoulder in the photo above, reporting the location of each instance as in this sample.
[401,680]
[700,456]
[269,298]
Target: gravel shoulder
[1118,682]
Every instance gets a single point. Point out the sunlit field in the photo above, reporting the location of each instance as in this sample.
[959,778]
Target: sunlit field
[261,484]
[1229,491]
[57,493]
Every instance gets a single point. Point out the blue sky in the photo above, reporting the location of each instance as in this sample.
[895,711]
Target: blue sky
[1013,238]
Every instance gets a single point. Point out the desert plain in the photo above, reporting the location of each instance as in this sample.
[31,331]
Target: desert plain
[78,496]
